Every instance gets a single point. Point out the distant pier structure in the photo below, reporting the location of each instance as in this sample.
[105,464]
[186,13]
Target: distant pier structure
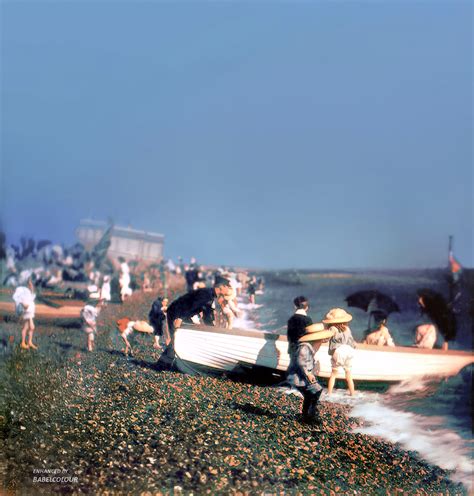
[125,242]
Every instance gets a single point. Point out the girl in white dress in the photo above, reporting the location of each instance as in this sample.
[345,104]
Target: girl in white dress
[24,298]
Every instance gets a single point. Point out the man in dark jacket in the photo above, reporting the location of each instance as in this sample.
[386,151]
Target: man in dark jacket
[297,323]
[191,276]
[193,303]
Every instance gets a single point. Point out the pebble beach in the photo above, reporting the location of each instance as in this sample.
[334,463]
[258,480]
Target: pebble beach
[73,422]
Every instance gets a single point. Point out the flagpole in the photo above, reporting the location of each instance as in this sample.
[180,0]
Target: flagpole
[453,286]
[451,278]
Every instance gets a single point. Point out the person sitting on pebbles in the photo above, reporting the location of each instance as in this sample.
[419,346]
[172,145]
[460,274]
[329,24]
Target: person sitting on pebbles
[126,327]
[304,368]
[341,346]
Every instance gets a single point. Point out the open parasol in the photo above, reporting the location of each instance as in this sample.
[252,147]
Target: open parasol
[379,305]
[373,301]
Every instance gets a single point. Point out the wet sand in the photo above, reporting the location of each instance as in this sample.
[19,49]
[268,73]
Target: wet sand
[108,424]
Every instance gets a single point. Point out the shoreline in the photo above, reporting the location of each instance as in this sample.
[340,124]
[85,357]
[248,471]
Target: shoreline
[120,425]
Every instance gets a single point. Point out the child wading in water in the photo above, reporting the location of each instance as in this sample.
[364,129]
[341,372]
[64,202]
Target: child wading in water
[304,368]
[341,346]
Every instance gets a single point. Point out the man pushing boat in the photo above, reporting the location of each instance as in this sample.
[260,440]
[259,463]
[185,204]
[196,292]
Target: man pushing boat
[199,302]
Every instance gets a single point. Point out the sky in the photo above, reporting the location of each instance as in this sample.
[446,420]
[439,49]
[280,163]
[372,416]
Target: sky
[261,134]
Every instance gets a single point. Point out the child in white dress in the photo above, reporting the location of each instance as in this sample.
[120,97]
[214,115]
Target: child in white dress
[24,298]
[341,346]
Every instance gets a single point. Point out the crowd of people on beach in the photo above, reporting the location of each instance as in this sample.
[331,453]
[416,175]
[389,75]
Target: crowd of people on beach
[39,267]
[212,298]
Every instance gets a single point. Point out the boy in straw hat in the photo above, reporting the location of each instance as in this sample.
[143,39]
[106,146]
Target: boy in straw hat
[341,346]
[304,368]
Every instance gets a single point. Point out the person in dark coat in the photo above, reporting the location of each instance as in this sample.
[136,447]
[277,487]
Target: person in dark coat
[157,319]
[191,276]
[193,303]
[298,323]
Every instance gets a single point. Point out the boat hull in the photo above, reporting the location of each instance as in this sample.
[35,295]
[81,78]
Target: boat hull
[223,350]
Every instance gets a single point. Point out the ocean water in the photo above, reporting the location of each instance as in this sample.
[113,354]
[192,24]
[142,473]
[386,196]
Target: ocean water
[433,418]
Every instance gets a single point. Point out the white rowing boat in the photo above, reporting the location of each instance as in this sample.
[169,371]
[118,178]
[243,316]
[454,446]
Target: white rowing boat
[199,347]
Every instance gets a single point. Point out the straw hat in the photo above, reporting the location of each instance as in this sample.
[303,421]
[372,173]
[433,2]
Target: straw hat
[143,326]
[316,332]
[337,316]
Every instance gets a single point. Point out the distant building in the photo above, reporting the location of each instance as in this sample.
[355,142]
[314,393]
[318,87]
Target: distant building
[126,242]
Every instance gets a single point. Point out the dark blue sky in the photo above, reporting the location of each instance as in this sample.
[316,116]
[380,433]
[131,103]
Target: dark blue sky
[276,134]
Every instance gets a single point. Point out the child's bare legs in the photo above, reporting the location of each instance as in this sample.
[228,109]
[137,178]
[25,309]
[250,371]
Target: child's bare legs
[350,382]
[156,342]
[332,380]
[31,330]
[90,341]
[127,345]
[229,317]
[24,330]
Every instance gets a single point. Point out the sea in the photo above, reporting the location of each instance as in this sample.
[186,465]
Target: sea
[431,417]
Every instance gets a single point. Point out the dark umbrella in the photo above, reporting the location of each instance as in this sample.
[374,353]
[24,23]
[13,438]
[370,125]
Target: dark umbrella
[373,301]
[379,305]
[435,306]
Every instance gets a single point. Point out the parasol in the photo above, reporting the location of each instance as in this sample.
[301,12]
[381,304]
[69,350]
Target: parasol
[373,301]
[379,305]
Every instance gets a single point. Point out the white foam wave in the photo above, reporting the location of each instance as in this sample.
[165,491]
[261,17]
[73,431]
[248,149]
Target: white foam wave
[243,322]
[415,384]
[250,306]
[437,445]
[426,435]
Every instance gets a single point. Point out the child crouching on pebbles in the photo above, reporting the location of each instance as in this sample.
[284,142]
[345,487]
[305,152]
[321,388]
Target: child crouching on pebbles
[126,327]
[304,368]
[341,346]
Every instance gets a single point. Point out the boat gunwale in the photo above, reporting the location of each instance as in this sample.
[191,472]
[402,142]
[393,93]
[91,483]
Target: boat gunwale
[281,337]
